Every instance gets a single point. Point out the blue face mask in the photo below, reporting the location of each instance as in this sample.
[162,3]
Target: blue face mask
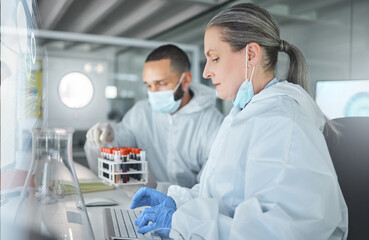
[163,101]
[246,91]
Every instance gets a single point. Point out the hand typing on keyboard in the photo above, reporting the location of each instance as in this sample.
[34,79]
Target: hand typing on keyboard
[147,197]
[160,213]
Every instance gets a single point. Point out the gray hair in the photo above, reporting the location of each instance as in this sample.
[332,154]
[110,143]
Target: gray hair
[244,23]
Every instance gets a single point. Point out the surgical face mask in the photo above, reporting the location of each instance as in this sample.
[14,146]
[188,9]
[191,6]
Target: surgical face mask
[246,91]
[163,101]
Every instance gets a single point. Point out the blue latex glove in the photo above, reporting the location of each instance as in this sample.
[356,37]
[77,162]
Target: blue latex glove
[161,217]
[148,197]
[160,213]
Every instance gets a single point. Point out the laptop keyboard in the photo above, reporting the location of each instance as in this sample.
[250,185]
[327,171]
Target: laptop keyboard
[123,222]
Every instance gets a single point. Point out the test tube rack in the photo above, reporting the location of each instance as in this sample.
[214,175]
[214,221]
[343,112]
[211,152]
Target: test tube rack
[123,172]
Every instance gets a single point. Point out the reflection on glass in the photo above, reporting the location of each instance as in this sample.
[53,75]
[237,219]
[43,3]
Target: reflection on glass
[75,90]
[33,48]
[22,27]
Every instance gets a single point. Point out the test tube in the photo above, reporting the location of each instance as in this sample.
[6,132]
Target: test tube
[116,155]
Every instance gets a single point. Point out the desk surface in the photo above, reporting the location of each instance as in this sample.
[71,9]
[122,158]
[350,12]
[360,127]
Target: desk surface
[123,195]
[95,213]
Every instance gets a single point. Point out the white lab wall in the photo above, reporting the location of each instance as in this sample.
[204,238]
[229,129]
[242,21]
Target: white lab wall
[360,41]
[334,47]
[58,114]
[130,64]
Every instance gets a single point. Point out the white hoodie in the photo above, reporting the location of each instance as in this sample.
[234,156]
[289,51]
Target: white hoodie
[177,145]
[269,175]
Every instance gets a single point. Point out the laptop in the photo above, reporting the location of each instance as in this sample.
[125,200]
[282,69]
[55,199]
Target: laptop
[119,224]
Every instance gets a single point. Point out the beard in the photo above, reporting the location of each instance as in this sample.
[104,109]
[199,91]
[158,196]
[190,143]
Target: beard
[178,94]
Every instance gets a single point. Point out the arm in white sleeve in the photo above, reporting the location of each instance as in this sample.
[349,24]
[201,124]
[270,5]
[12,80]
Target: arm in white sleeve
[182,195]
[290,191]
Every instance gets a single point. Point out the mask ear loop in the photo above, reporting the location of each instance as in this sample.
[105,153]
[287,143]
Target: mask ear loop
[179,83]
[253,68]
[247,47]
[252,73]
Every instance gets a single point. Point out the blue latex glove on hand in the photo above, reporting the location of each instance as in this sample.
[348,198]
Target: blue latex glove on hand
[161,217]
[160,213]
[148,197]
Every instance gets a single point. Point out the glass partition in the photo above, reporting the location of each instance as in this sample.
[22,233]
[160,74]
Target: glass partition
[333,36]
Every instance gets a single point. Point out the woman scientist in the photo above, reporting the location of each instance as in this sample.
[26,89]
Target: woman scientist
[269,173]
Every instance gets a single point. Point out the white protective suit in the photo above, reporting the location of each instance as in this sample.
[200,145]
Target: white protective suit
[177,145]
[269,175]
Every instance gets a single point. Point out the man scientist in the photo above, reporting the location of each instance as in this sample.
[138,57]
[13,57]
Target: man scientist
[175,125]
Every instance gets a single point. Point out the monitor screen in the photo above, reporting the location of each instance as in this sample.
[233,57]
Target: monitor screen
[343,98]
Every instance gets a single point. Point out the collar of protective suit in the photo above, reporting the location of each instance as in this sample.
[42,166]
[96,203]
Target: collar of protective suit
[296,92]
[203,97]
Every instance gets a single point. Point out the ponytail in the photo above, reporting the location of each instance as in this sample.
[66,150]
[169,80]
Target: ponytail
[297,70]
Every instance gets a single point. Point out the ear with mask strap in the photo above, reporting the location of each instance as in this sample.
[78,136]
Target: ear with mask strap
[246,91]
